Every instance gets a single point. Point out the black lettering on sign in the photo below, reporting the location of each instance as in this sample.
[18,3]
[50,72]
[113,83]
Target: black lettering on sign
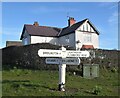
[51,60]
[70,60]
[63,61]
[51,53]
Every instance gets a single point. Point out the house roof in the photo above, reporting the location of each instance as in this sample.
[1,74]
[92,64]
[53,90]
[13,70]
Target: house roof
[41,30]
[71,29]
[54,31]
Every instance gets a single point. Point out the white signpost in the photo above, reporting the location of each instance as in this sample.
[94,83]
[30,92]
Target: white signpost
[62,61]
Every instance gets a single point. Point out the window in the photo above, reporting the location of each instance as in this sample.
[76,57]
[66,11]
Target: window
[25,41]
[83,28]
[87,38]
[87,26]
[67,39]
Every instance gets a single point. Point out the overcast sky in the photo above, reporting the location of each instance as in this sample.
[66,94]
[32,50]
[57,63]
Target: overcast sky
[104,16]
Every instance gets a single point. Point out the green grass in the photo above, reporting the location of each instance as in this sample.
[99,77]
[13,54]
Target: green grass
[18,82]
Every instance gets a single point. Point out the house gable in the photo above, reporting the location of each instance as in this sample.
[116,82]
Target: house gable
[84,25]
[25,33]
[87,26]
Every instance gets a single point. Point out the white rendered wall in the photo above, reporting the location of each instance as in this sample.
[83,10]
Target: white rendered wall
[95,40]
[80,36]
[41,39]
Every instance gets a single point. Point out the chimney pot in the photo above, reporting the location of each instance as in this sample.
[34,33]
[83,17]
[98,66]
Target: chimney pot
[71,21]
[36,23]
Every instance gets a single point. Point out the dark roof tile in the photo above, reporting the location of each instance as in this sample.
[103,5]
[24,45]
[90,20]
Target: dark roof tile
[71,29]
[42,30]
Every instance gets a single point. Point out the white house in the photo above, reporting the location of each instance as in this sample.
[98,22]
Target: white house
[79,35]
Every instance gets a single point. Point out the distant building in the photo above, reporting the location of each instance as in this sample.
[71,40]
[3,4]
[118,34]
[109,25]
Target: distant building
[79,35]
[13,43]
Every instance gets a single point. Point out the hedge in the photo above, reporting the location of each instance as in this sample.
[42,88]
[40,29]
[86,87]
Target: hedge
[27,57]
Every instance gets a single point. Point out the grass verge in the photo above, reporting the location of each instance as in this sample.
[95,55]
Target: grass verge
[19,82]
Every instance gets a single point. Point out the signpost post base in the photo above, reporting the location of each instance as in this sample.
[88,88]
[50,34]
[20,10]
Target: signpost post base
[61,87]
[62,70]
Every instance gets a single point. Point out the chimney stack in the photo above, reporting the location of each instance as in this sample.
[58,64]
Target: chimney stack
[36,23]
[71,21]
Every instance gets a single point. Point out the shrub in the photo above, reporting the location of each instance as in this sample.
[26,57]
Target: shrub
[114,70]
[97,90]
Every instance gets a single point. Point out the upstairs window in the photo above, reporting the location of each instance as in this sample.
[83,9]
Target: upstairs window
[87,38]
[83,28]
[87,26]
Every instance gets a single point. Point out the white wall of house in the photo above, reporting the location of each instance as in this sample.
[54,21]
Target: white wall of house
[78,37]
[86,36]
[42,39]
[67,40]
[95,40]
